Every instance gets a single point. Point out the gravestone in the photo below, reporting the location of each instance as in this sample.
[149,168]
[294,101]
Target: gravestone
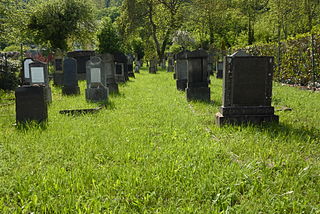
[121,67]
[130,66]
[247,90]
[31,104]
[198,76]
[210,63]
[109,67]
[96,78]
[70,80]
[153,66]
[26,71]
[181,70]
[82,56]
[39,76]
[137,66]
[170,67]
[219,70]
[58,70]
[163,64]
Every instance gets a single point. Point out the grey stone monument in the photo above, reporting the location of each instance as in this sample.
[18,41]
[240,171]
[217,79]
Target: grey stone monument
[39,76]
[82,56]
[130,66]
[58,70]
[121,67]
[96,91]
[219,69]
[31,104]
[210,63]
[198,76]
[137,66]
[247,90]
[26,71]
[181,70]
[109,69]
[70,81]
[153,66]
[170,67]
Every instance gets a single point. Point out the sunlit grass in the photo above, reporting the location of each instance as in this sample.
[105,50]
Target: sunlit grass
[152,151]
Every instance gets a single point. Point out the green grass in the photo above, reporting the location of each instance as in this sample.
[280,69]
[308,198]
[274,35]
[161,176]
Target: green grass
[150,151]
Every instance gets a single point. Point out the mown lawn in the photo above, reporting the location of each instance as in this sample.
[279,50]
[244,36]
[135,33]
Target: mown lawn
[150,151]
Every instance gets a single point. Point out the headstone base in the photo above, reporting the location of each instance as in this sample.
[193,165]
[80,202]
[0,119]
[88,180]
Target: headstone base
[181,85]
[96,94]
[198,93]
[58,79]
[113,88]
[31,104]
[70,90]
[245,119]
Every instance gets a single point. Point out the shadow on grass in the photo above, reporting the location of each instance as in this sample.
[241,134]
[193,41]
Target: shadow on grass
[119,94]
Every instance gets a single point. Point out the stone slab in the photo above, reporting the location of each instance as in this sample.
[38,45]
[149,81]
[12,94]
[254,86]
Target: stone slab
[70,90]
[97,94]
[199,93]
[245,119]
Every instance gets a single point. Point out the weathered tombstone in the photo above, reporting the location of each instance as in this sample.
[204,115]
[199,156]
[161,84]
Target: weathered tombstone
[58,70]
[130,66]
[181,70]
[121,67]
[219,70]
[163,64]
[96,78]
[247,90]
[109,67]
[153,66]
[82,56]
[210,63]
[198,76]
[170,67]
[70,81]
[39,76]
[31,104]
[26,71]
[137,66]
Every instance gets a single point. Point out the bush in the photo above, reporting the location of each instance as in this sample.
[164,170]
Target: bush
[8,74]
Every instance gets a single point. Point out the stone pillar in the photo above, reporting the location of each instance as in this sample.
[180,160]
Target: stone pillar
[153,66]
[130,66]
[181,70]
[198,76]
[109,67]
[219,69]
[70,80]
[170,67]
[58,70]
[247,90]
[121,67]
[31,104]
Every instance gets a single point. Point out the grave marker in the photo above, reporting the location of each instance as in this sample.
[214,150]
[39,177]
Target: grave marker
[70,80]
[181,70]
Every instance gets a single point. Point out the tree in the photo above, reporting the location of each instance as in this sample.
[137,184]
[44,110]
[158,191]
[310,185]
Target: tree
[108,38]
[57,23]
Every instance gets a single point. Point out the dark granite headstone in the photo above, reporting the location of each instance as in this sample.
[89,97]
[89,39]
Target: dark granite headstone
[170,67]
[70,80]
[109,67]
[26,71]
[39,76]
[219,70]
[58,71]
[130,66]
[181,70]
[210,63]
[198,76]
[96,78]
[82,56]
[31,104]
[153,66]
[247,90]
[121,63]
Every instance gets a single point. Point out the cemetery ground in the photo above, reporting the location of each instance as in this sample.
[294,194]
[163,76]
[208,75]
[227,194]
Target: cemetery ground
[151,151]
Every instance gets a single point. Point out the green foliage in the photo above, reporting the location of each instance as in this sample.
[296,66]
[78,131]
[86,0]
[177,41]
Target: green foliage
[8,74]
[137,47]
[56,23]
[151,151]
[108,38]
[112,12]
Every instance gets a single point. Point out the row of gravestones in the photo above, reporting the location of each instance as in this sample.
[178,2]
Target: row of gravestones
[247,85]
[103,74]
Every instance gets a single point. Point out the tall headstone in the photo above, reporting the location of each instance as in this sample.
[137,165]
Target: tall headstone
[247,90]
[137,66]
[39,76]
[130,66]
[31,104]
[82,56]
[109,67]
[58,69]
[210,63]
[198,76]
[153,66]
[96,91]
[219,69]
[121,67]
[163,63]
[26,71]
[181,70]
[70,80]
[170,67]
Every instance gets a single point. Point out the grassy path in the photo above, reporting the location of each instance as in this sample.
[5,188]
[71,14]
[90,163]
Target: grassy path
[152,151]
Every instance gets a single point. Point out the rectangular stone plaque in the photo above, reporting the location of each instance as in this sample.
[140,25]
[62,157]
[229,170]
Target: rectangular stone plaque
[37,75]
[95,75]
